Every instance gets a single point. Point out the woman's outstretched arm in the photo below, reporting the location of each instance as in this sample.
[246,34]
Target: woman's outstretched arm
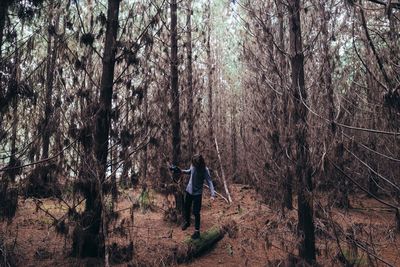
[209,182]
[188,171]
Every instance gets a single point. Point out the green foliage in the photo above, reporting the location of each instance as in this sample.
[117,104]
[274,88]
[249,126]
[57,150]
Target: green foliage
[229,249]
[108,206]
[145,200]
[354,260]
[207,237]
[239,209]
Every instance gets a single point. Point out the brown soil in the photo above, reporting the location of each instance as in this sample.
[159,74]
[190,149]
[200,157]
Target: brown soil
[263,237]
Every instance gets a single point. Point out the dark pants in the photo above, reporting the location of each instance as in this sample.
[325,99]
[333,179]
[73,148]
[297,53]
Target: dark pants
[196,201]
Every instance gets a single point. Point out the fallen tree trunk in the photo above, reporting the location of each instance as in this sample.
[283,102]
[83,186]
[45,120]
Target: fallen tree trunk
[193,248]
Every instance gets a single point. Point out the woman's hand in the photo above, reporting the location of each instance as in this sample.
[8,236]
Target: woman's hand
[175,169]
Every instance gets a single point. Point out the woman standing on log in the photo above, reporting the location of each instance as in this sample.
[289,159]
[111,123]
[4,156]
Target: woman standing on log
[194,190]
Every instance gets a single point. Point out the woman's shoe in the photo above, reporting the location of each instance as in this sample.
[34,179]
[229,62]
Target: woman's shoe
[185,226]
[196,235]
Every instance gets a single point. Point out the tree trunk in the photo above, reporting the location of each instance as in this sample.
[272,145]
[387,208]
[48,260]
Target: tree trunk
[379,61]
[175,120]
[48,110]
[13,158]
[15,79]
[371,98]
[58,139]
[285,140]
[234,152]
[327,73]
[42,181]
[103,118]
[114,165]
[190,119]
[4,4]
[210,82]
[299,115]
[124,181]
[176,127]
[125,144]
[146,129]
[103,115]
[89,241]
[288,191]
[145,118]
[340,194]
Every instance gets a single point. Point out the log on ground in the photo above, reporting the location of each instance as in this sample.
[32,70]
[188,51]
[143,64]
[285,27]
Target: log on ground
[193,248]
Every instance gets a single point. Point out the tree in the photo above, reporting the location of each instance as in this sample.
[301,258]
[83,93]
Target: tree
[299,114]
[210,69]
[4,5]
[189,62]
[89,241]
[175,115]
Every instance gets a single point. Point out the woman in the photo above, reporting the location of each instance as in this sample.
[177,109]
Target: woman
[194,190]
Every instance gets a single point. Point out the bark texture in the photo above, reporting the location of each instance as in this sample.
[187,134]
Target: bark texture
[299,114]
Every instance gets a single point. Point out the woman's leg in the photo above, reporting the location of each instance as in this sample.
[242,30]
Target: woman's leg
[196,211]
[188,206]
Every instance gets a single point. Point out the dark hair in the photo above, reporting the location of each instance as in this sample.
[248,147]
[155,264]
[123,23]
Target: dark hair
[198,162]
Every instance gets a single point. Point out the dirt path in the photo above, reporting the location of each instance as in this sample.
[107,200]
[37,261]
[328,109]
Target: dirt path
[259,236]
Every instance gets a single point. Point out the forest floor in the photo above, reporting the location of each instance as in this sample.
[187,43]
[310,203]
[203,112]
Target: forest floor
[259,235]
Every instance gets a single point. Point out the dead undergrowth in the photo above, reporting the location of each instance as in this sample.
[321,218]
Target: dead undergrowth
[256,234]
